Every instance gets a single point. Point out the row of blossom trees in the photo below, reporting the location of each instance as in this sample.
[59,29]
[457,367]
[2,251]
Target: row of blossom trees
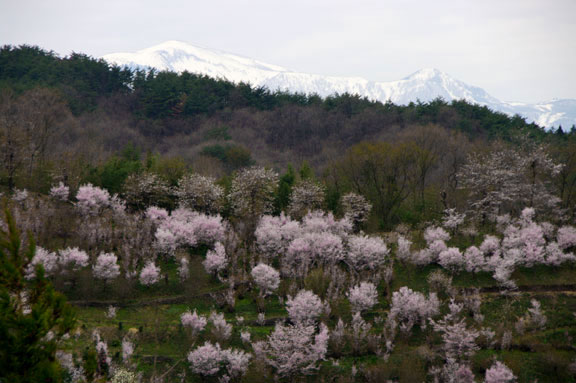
[521,242]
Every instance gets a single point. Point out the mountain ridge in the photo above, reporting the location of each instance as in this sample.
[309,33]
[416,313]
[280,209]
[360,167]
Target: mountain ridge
[423,85]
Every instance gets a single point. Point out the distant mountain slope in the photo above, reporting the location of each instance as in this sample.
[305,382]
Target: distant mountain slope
[424,85]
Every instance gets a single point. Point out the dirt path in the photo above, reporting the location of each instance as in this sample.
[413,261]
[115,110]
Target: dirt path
[569,289]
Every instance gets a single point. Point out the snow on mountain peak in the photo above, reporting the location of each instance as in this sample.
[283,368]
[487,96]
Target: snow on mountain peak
[425,85]
[426,74]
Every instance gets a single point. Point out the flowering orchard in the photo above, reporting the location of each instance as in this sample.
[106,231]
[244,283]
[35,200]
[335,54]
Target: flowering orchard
[233,290]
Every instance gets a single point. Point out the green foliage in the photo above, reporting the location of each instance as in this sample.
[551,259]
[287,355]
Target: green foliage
[285,184]
[112,174]
[82,79]
[218,133]
[33,316]
[305,172]
[232,156]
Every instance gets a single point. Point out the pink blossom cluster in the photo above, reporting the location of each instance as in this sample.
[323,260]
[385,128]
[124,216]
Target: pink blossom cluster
[525,243]
[403,250]
[200,193]
[156,214]
[150,274]
[216,260]
[20,195]
[92,199]
[459,341]
[452,219]
[320,240]
[294,349]
[566,237]
[188,228]
[49,260]
[363,297]
[433,234]
[305,307]
[73,258]
[321,222]
[266,278]
[252,191]
[312,248]
[106,267]
[183,269]
[499,373]
[356,208]
[409,307]
[307,196]
[60,192]
[366,253]
[274,234]
[195,322]
[127,350]
[220,328]
[210,360]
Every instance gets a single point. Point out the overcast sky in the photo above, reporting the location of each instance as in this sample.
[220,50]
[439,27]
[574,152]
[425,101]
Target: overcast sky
[517,50]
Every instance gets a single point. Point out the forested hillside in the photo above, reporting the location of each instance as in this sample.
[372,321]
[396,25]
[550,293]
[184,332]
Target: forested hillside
[204,231]
[79,119]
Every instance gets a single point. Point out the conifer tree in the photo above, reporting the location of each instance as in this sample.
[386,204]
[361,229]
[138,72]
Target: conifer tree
[33,316]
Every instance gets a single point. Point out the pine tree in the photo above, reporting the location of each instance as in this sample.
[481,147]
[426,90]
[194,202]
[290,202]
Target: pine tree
[33,316]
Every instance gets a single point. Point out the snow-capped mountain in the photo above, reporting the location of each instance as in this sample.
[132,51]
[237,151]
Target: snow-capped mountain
[424,85]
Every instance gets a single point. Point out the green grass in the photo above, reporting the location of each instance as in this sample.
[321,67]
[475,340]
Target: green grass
[536,354]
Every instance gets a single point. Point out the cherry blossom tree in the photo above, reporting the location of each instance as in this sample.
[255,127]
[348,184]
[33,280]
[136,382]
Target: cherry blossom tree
[127,350]
[60,192]
[237,362]
[309,249]
[459,341]
[305,307]
[366,253]
[106,267]
[183,269]
[499,373]
[267,278]
[356,208]
[211,360]
[451,259]
[306,196]
[150,274]
[403,250]
[156,214]
[274,234]
[145,189]
[505,178]
[363,297]
[187,228]
[195,322]
[216,260]
[92,199]
[252,191]
[20,195]
[320,222]
[433,234]
[73,258]
[452,219]
[220,328]
[294,349]
[409,307]
[43,257]
[566,237]
[207,360]
[474,260]
[200,193]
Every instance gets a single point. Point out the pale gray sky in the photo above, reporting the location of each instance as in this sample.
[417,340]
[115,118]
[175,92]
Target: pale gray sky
[517,50]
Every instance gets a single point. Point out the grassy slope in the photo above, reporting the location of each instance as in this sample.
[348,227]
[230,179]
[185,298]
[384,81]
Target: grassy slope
[538,354]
